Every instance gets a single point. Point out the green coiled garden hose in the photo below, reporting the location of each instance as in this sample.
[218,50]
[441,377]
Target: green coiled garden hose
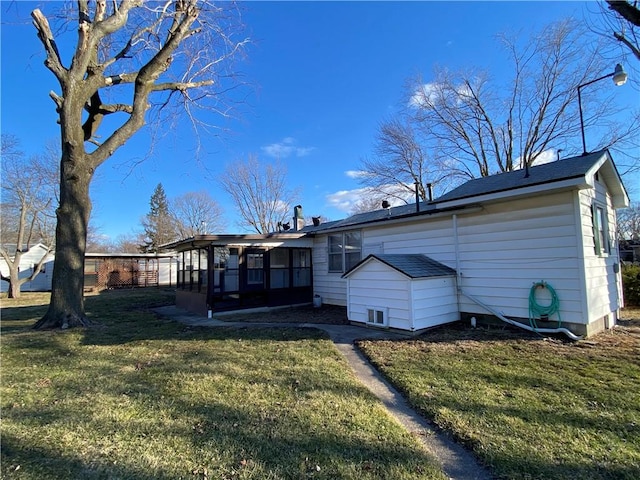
[543,311]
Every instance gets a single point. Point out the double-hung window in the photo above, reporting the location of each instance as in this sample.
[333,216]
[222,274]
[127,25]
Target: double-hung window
[600,230]
[345,250]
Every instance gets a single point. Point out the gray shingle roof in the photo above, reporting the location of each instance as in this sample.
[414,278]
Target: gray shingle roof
[411,265]
[374,216]
[574,167]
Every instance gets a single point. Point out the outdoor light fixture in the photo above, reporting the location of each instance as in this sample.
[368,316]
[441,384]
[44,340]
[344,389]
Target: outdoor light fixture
[619,78]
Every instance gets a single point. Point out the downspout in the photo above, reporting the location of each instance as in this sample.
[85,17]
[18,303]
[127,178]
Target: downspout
[493,311]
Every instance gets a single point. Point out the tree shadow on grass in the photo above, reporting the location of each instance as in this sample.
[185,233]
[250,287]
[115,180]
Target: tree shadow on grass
[276,434]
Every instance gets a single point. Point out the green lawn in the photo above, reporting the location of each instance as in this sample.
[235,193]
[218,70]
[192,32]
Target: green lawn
[137,397]
[529,408]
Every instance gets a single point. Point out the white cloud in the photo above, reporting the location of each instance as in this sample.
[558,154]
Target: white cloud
[346,200]
[547,156]
[355,173]
[286,148]
[423,96]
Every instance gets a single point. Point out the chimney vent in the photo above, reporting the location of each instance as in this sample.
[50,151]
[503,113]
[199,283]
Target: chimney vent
[298,218]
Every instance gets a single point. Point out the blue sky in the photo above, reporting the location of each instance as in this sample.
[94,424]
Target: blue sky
[324,75]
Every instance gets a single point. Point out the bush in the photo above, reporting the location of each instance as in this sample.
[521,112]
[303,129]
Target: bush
[631,284]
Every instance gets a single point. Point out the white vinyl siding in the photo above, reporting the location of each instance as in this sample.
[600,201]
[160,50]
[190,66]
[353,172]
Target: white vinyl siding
[511,245]
[603,283]
[32,257]
[380,287]
[329,285]
[408,304]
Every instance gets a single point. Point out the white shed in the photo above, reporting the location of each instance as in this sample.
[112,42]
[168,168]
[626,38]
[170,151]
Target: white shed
[404,291]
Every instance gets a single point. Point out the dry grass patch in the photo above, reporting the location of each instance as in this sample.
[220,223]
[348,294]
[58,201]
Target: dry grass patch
[529,407]
[140,397]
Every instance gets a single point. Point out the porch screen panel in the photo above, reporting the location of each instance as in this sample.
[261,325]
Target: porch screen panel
[225,269]
[279,268]
[195,269]
[255,272]
[204,280]
[187,270]
[301,268]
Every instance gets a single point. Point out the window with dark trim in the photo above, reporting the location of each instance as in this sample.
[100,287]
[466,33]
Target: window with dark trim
[255,272]
[301,268]
[192,270]
[279,268]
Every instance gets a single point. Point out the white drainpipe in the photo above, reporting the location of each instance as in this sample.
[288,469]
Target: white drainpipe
[492,310]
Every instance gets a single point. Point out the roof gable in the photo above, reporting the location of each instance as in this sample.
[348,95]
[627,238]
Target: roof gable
[410,265]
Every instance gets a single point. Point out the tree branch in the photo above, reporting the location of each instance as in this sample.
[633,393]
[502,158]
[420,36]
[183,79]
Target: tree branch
[53,61]
[621,38]
[627,11]
[180,86]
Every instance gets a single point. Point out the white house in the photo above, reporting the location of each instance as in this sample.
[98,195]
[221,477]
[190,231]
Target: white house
[29,259]
[497,238]
[501,234]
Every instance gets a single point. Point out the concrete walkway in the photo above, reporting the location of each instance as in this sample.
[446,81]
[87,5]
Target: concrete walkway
[456,462]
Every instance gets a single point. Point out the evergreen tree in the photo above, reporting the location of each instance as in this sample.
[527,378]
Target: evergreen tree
[159,227]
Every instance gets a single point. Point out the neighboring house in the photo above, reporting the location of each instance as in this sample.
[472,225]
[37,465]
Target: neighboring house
[28,261]
[498,236]
[101,270]
[128,270]
[629,251]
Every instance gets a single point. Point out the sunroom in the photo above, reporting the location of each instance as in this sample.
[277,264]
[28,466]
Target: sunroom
[231,272]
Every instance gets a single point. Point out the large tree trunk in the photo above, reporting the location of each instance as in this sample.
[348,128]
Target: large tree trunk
[14,290]
[66,308]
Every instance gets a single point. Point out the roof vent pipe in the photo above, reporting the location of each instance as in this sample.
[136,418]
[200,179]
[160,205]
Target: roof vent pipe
[430,190]
[417,197]
[298,218]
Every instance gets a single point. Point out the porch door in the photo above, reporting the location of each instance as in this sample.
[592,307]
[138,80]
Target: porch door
[254,266]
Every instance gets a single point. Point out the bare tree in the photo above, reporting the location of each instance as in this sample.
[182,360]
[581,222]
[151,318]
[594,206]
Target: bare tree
[629,223]
[622,20]
[167,53]
[399,164]
[476,126]
[196,213]
[368,203]
[28,204]
[259,192]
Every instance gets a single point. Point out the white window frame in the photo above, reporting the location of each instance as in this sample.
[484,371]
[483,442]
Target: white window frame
[345,251]
[600,229]
[374,313]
